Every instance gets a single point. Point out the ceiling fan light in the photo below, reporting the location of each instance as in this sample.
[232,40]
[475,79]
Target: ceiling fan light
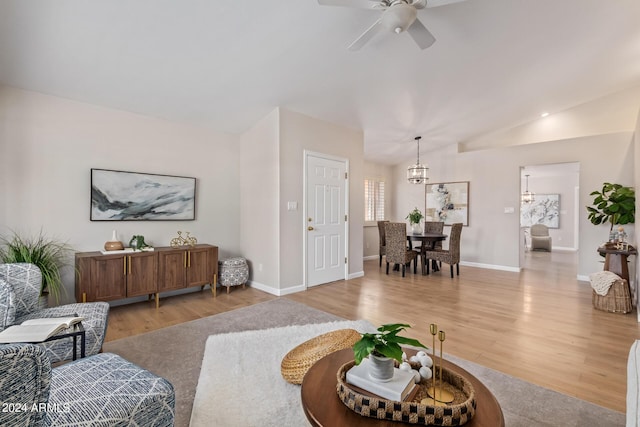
[399,17]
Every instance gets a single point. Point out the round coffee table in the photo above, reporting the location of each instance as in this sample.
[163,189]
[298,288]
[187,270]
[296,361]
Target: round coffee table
[323,407]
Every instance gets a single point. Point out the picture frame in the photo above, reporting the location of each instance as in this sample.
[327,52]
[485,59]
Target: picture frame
[447,202]
[135,196]
[545,209]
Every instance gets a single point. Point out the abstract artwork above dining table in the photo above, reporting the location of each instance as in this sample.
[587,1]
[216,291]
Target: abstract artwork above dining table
[447,202]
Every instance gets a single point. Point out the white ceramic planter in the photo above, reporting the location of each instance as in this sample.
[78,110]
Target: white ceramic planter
[380,368]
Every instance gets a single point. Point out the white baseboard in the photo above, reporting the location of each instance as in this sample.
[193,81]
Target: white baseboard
[563,249]
[356,275]
[582,278]
[276,291]
[370,257]
[490,266]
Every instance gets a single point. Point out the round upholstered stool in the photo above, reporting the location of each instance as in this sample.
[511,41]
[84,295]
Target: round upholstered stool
[233,272]
[299,360]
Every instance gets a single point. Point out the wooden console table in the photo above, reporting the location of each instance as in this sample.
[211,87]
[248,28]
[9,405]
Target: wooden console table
[120,275]
[323,407]
[616,260]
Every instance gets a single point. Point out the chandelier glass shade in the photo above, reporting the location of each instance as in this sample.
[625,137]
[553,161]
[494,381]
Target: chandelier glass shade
[417,174]
[527,196]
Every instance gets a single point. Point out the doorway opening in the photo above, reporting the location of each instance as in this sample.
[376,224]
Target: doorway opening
[554,203]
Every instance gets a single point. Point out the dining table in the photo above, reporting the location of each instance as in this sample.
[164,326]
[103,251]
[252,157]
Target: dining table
[428,243]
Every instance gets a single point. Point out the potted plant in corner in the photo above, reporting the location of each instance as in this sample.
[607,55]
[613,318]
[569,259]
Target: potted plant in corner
[49,255]
[414,217]
[382,348]
[615,204]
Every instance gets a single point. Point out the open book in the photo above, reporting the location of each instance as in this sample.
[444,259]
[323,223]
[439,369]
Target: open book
[37,330]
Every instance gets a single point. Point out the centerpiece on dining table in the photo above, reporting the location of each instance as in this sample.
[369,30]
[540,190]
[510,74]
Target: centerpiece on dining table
[415,217]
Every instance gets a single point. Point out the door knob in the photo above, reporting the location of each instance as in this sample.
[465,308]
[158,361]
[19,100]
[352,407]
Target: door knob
[310,228]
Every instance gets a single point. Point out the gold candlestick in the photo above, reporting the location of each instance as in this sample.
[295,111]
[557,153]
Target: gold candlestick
[433,328]
[437,392]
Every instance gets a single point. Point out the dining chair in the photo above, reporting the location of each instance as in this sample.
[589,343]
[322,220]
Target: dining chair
[449,256]
[383,241]
[540,239]
[430,227]
[396,246]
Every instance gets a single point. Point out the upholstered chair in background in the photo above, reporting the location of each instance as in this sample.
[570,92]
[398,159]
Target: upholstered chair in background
[397,251]
[540,239]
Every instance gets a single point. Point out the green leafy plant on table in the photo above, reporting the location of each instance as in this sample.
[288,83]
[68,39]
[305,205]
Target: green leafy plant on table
[49,255]
[385,343]
[615,204]
[415,216]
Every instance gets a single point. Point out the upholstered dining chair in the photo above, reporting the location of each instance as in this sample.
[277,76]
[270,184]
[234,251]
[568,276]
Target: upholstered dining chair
[449,256]
[430,227]
[383,241]
[540,239]
[397,251]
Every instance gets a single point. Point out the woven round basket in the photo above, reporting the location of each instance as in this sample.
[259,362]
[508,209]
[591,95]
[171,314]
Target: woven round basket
[457,413]
[298,361]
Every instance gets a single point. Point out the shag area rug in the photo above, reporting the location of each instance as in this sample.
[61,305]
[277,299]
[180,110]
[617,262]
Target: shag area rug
[177,352]
[240,381]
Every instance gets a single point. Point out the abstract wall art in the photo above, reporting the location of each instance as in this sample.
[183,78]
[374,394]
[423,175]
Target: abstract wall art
[447,202]
[133,196]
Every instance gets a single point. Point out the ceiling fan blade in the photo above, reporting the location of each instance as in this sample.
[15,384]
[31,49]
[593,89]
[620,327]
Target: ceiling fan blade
[436,3]
[421,35]
[366,36]
[360,4]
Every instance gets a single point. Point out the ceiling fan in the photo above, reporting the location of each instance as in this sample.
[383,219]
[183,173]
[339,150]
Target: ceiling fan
[397,16]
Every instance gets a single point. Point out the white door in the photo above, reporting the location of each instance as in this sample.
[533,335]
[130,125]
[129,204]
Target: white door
[326,201]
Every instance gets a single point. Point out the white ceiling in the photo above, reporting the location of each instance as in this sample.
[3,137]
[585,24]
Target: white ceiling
[226,64]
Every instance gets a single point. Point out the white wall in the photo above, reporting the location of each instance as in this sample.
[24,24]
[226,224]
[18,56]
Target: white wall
[492,237]
[49,145]
[298,133]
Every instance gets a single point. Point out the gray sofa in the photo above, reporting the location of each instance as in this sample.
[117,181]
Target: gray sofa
[101,390]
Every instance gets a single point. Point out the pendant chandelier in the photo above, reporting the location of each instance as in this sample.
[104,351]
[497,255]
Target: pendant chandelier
[417,174]
[527,196]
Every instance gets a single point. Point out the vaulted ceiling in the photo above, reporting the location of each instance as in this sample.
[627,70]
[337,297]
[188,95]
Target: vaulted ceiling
[226,64]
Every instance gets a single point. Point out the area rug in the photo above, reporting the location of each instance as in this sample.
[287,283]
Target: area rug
[241,374]
[176,353]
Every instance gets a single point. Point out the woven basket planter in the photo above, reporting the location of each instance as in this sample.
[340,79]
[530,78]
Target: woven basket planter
[617,300]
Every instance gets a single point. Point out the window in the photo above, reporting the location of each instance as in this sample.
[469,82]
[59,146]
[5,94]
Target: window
[373,200]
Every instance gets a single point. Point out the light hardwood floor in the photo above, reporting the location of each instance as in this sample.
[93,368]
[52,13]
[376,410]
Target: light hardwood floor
[537,325]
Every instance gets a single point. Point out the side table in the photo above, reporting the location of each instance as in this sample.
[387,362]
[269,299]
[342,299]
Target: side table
[323,407]
[78,331]
[616,260]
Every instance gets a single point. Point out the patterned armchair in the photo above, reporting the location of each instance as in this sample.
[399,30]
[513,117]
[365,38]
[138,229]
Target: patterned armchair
[383,239]
[450,256]
[100,390]
[20,300]
[397,252]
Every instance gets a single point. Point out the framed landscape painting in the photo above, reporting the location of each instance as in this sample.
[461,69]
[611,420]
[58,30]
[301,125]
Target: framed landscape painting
[545,209]
[447,202]
[134,196]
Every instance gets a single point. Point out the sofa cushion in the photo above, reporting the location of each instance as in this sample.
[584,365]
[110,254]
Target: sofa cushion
[7,305]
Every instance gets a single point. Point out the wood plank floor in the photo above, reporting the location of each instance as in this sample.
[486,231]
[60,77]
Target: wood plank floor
[537,325]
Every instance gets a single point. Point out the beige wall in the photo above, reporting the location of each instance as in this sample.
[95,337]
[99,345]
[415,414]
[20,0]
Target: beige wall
[49,145]
[297,134]
[259,201]
[371,238]
[637,186]
[492,238]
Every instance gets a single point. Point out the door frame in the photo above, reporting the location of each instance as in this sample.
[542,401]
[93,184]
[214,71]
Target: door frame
[306,155]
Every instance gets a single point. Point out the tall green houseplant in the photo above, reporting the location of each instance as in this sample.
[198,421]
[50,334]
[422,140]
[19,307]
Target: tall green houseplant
[49,255]
[615,204]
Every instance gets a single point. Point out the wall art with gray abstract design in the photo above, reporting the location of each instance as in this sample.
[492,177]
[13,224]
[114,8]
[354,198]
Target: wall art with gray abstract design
[545,209]
[133,196]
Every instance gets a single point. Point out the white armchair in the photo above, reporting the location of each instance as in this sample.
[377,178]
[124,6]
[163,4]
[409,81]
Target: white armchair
[540,239]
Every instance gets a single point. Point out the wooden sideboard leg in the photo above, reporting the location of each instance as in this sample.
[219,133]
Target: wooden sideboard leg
[84,297]
[157,299]
[214,285]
